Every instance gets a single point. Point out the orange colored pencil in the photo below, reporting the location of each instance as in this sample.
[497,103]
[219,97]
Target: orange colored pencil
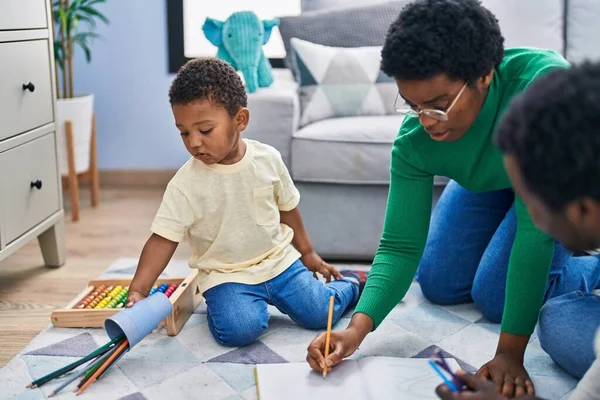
[328,336]
[103,366]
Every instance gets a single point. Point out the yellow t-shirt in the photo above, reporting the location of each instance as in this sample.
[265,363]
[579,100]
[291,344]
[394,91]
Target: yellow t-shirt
[230,215]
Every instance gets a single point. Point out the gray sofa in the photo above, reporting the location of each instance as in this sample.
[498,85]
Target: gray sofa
[341,165]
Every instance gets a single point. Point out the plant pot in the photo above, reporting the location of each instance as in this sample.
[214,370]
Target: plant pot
[79,111]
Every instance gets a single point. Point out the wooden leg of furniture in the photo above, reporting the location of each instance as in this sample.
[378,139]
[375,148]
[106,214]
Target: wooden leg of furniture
[73,182]
[52,244]
[94,179]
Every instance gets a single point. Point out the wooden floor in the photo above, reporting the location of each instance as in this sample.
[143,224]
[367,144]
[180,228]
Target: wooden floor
[29,291]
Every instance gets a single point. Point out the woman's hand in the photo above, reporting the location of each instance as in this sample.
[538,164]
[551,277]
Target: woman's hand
[314,263]
[342,343]
[508,376]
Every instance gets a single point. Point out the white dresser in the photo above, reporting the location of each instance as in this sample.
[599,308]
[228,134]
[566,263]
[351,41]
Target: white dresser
[30,186]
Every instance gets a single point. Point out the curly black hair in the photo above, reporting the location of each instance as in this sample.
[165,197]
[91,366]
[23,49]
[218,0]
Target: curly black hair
[209,78]
[553,131]
[459,38]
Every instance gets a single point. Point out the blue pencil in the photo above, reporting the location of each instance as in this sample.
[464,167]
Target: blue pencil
[439,372]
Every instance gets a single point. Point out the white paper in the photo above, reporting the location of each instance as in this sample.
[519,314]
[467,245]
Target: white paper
[401,378]
[297,381]
[379,378]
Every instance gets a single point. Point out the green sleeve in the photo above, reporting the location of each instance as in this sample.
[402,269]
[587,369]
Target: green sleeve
[528,270]
[404,235]
[530,257]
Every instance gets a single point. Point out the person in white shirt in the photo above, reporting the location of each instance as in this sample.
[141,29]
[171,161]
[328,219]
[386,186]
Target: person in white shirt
[235,203]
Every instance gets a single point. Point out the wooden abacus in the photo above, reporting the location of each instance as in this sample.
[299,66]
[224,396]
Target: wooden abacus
[105,297]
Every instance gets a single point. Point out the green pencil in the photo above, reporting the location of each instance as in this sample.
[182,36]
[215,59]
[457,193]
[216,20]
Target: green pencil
[65,369]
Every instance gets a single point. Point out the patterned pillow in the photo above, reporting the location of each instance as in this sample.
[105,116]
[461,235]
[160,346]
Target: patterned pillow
[314,5]
[341,81]
[346,27]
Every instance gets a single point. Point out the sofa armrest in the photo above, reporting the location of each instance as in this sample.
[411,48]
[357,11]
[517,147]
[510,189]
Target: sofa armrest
[275,113]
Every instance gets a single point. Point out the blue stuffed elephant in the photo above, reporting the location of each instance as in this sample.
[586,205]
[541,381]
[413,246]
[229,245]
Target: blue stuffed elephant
[239,40]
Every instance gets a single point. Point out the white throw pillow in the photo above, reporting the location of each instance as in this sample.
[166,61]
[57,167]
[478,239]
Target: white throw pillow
[340,82]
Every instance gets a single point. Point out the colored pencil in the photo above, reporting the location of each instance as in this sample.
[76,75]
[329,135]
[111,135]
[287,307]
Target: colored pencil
[121,347]
[439,359]
[113,362]
[73,365]
[74,378]
[97,365]
[328,336]
[439,372]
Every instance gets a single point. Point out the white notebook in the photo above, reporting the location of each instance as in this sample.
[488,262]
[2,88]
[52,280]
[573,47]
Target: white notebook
[379,378]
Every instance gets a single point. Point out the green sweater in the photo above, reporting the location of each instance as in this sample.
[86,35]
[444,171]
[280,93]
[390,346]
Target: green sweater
[476,164]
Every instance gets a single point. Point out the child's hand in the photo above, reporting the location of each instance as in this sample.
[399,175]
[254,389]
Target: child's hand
[133,297]
[479,389]
[315,264]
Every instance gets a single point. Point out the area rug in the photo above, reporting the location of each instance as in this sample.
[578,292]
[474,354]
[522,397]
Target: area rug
[192,365]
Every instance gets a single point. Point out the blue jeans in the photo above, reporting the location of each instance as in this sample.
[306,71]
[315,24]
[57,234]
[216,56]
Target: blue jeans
[567,328]
[468,248]
[237,313]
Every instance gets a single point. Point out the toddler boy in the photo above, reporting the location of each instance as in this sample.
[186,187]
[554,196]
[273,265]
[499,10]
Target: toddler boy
[236,204]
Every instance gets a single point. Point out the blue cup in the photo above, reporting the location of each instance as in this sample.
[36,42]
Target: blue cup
[140,320]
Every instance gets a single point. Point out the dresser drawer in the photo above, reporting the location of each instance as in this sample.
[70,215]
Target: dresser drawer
[22,14]
[29,190]
[25,87]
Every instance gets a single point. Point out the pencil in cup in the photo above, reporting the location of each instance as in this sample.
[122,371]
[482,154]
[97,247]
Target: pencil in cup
[328,335]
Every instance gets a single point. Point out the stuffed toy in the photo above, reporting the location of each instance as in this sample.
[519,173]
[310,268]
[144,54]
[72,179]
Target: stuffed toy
[239,40]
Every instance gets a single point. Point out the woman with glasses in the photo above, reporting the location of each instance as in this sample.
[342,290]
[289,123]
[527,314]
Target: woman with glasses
[480,245]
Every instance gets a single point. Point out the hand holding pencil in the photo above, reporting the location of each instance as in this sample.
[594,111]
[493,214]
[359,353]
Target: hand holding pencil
[341,344]
[328,334]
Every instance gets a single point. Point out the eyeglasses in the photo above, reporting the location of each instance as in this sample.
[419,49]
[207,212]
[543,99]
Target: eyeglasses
[431,113]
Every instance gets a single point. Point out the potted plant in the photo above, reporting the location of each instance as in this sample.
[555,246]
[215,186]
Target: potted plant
[74,24]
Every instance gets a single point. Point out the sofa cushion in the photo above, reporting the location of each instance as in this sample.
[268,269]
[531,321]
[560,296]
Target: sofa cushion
[345,150]
[352,27]
[316,5]
[530,23]
[341,82]
[583,30]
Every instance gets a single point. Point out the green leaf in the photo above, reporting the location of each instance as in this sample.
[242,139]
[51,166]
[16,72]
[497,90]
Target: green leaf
[87,51]
[59,54]
[86,18]
[95,13]
[81,39]
[92,2]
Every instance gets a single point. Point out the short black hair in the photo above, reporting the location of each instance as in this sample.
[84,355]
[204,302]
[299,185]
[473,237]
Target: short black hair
[553,131]
[209,78]
[459,38]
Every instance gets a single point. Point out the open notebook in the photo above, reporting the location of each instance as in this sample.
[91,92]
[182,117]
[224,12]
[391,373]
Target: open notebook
[379,378]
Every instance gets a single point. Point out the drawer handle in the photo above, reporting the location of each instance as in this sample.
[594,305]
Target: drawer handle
[30,86]
[36,184]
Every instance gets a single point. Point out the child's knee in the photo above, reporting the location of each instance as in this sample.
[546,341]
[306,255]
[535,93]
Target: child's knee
[239,334]
[317,318]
